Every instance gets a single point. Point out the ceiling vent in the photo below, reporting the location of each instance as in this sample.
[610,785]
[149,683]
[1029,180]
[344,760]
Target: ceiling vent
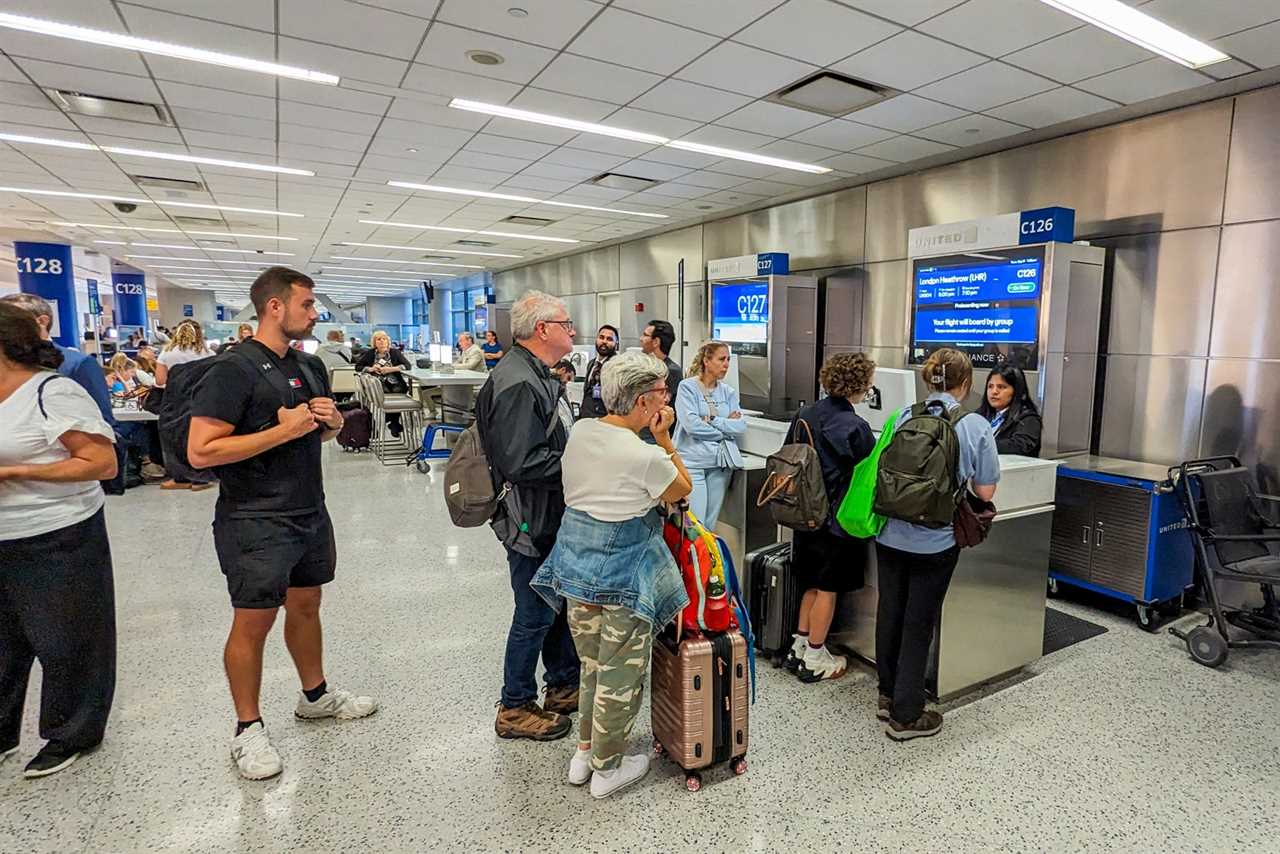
[216,241]
[478,243]
[183,184]
[101,107]
[202,221]
[616,181]
[831,94]
[437,258]
[528,220]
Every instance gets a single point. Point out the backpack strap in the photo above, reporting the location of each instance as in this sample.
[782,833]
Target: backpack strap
[263,367]
[40,393]
[744,615]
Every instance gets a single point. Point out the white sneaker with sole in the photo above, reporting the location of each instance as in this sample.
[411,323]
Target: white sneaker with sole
[632,769]
[795,655]
[5,754]
[342,705]
[819,664]
[254,755]
[580,767]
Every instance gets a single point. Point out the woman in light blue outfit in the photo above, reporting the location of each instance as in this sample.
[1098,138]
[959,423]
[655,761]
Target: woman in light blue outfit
[708,423]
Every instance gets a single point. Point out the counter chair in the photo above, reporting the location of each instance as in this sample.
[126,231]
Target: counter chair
[388,449]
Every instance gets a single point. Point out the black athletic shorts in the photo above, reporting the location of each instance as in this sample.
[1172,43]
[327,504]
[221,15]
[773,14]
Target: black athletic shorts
[823,560]
[263,557]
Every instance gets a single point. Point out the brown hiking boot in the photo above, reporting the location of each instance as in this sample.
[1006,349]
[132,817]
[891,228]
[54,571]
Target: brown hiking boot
[884,708]
[562,700]
[929,723]
[531,721]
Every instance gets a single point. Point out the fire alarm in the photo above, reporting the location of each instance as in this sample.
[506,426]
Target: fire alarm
[639,307]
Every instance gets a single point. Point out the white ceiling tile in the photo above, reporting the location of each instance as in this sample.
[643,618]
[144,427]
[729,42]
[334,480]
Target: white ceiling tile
[643,120]
[447,47]
[805,179]
[1227,69]
[496,162]
[721,17]
[106,83]
[970,130]
[653,171]
[904,149]
[610,145]
[213,76]
[335,97]
[543,169]
[905,113]
[208,35]
[827,30]
[345,63]
[525,130]
[222,123]
[241,13]
[773,119]
[491,144]
[418,135]
[681,191]
[417,109]
[1209,20]
[20,44]
[417,8]
[545,187]
[218,100]
[743,169]
[676,157]
[455,84]
[986,86]
[792,150]
[629,39]
[471,178]
[767,188]
[732,197]
[1261,45]
[560,104]
[997,27]
[24,94]
[551,23]
[129,130]
[225,143]
[729,138]
[690,101]
[908,60]
[591,78]
[909,12]
[575,157]
[328,119]
[1149,79]
[590,194]
[9,71]
[739,68]
[1080,53]
[337,22]
[1050,108]
[36,116]
[844,135]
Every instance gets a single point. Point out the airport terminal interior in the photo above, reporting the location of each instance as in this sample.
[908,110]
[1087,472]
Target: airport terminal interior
[1075,203]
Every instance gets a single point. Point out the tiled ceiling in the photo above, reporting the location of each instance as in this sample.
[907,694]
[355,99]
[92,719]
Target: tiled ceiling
[969,72]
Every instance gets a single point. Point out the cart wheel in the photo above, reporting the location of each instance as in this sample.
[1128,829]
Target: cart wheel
[1148,618]
[739,765]
[423,466]
[692,781]
[1053,587]
[1206,646]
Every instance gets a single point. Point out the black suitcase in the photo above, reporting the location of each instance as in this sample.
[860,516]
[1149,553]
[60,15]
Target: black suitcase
[357,429]
[773,598]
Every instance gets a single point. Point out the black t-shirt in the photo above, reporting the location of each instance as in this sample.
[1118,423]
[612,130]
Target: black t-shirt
[287,479]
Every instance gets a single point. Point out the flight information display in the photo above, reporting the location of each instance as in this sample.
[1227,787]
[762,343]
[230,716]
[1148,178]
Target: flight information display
[985,304]
[740,312]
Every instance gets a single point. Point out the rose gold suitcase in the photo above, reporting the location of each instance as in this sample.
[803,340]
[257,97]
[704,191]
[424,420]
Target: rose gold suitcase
[700,700]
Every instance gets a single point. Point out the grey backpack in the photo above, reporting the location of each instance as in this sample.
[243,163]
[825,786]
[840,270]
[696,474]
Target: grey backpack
[469,481]
[793,486]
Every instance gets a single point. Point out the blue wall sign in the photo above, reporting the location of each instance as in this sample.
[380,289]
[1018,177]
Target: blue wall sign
[188,310]
[1047,225]
[95,302]
[131,298]
[45,269]
[773,264]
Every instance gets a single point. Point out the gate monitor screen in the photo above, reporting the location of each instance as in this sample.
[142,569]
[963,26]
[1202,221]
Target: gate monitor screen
[740,316]
[985,304]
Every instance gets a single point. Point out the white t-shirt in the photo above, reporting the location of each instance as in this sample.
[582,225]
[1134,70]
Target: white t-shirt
[612,474]
[27,507]
[174,357]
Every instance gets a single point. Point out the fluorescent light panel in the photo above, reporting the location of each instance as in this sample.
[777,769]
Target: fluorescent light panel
[263,264]
[748,156]
[1143,30]
[158,155]
[342,270]
[398,261]
[106,38]
[436,188]
[469,231]
[26,191]
[165,230]
[191,248]
[425,249]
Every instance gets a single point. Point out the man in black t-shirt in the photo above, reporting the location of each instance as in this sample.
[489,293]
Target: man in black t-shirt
[259,417]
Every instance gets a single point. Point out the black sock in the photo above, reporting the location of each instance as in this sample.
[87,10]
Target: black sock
[315,693]
[241,726]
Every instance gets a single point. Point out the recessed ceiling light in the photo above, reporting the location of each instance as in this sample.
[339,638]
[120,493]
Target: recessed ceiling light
[468,231]
[554,121]
[176,51]
[425,249]
[1142,29]
[485,57]
[412,150]
[517,12]
[704,207]
[165,202]
[105,227]
[973,130]
[483,194]
[158,155]
[415,263]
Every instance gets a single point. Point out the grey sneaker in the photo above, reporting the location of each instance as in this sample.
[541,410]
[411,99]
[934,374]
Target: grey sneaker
[929,723]
[342,705]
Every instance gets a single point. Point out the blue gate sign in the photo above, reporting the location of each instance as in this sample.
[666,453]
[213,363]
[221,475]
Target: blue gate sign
[131,298]
[95,301]
[45,269]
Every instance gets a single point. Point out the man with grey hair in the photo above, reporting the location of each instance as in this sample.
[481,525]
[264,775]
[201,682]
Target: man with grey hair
[334,352]
[524,439]
[470,356]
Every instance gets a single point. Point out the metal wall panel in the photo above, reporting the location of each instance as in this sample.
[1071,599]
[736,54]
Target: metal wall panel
[884,311]
[1254,174]
[582,310]
[1242,416]
[1162,292]
[590,272]
[1152,174]
[654,260]
[1246,312]
[632,322]
[824,231]
[1152,408]
[842,320]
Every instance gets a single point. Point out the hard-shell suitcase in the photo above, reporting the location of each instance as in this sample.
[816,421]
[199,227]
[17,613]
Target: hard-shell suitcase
[357,429]
[773,598]
[700,701]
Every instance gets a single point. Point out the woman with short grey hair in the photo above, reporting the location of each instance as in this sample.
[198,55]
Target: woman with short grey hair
[611,563]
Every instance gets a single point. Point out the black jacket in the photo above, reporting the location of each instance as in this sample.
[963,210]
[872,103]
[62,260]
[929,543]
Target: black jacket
[1019,433]
[513,409]
[592,406]
[842,438]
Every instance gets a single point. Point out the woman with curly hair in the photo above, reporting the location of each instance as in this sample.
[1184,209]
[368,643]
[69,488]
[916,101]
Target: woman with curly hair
[828,561]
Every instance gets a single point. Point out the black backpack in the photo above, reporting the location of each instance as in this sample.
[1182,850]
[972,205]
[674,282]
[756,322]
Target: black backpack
[918,477]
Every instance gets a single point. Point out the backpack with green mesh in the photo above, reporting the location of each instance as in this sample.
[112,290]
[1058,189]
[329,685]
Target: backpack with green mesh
[918,477]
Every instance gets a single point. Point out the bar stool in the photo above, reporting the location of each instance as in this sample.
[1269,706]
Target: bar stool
[380,404]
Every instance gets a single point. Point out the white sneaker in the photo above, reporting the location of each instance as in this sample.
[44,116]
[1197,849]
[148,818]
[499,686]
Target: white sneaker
[795,655]
[254,755]
[632,769]
[342,705]
[819,664]
[580,767]
[5,754]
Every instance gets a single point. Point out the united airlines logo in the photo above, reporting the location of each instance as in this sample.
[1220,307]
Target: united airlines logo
[1174,526]
[946,238]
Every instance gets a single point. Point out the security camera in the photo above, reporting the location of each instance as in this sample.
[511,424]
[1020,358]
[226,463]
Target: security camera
[126,207]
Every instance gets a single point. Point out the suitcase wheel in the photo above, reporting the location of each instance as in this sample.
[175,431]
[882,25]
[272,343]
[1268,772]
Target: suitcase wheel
[693,781]
[657,748]
[739,766]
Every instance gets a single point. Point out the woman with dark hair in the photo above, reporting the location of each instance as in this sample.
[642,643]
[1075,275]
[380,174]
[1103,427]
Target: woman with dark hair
[1008,407]
[57,599]
[492,348]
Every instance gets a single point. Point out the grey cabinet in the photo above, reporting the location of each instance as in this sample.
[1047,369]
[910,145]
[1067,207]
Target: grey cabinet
[1100,533]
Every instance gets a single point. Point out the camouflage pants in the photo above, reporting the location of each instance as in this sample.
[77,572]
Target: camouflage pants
[613,644]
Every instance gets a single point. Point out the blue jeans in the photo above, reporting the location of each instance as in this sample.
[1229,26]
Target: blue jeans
[536,629]
[709,488]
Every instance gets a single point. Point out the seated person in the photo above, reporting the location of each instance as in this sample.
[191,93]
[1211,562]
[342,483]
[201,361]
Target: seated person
[470,356]
[565,372]
[333,352]
[611,563]
[1008,407]
[387,364]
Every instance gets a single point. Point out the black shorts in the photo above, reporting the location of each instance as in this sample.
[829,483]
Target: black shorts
[823,560]
[263,557]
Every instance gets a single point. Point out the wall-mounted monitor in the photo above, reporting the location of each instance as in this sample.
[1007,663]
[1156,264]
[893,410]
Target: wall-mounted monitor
[740,316]
[986,304]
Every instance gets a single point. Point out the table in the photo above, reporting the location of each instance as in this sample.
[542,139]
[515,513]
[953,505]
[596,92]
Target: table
[427,376]
[134,415]
[457,389]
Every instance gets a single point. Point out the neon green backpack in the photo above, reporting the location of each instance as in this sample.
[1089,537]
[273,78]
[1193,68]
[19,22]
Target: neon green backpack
[855,514]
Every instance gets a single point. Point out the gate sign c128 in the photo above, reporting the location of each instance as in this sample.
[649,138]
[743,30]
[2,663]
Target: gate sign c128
[131,298]
[46,270]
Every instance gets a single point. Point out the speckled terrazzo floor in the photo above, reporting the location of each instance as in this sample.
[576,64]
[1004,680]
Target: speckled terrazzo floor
[1120,743]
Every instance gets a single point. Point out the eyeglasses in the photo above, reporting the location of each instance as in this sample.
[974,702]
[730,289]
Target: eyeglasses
[661,390]
[567,324]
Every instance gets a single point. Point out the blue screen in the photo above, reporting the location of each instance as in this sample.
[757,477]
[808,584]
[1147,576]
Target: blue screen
[740,312]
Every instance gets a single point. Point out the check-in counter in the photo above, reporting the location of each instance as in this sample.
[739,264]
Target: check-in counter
[743,526]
